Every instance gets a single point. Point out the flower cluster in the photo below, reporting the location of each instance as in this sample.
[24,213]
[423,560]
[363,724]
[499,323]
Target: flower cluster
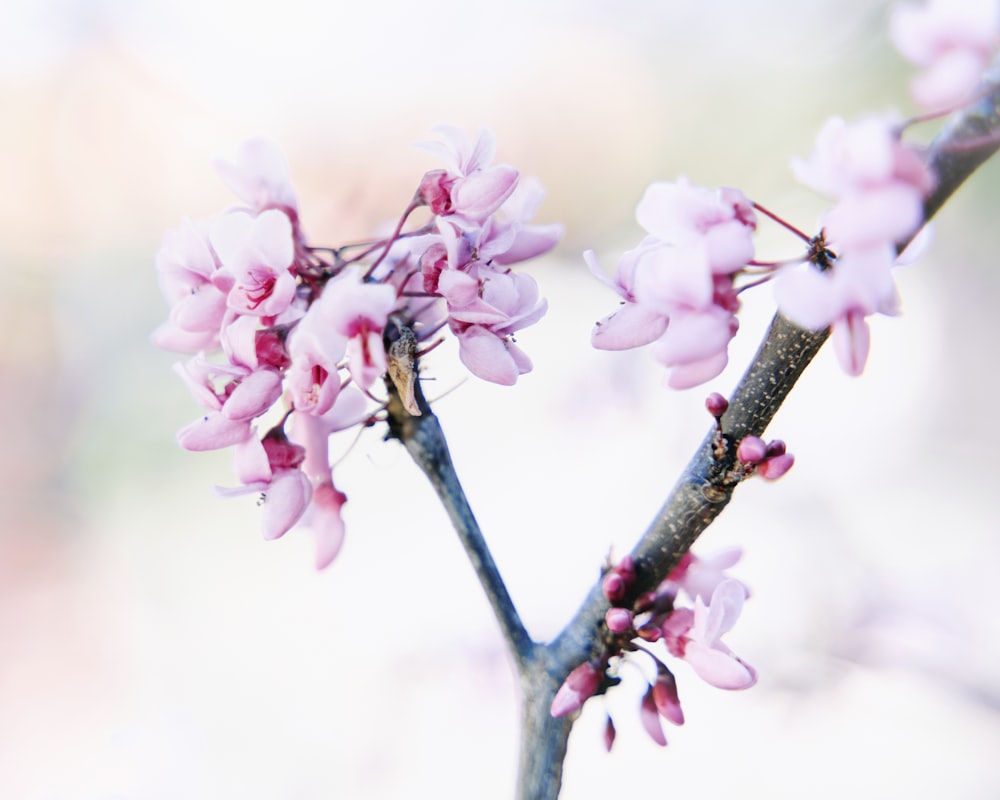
[676,287]
[953,40]
[690,633]
[680,287]
[880,185]
[302,331]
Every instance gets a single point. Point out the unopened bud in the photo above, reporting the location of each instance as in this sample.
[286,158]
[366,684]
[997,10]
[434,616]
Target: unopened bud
[618,620]
[775,447]
[751,450]
[716,404]
[774,468]
[613,587]
[578,687]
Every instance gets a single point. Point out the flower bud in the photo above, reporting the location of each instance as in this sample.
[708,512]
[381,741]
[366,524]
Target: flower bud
[774,468]
[751,450]
[716,404]
[618,620]
[578,687]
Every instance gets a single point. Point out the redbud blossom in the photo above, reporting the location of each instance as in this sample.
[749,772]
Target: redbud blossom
[695,636]
[953,40]
[880,185]
[678,283]
[578,687]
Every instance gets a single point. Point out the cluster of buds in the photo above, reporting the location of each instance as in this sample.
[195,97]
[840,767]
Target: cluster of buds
[634,626]
[303,333]
[754,456]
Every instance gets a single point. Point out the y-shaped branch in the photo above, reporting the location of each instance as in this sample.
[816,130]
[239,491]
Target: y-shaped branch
[967,141]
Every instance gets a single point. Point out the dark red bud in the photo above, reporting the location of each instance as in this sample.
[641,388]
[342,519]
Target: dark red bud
[716,404]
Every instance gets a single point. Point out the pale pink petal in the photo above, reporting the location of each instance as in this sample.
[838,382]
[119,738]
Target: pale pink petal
[687,375]
[250,461]
[851,339]
[950,80]
[253,395]
[481,193]
[719,668]
[630,326]
[285,502]
[488,356]
[212,432]
[889,213]
[324,518]
[692,337]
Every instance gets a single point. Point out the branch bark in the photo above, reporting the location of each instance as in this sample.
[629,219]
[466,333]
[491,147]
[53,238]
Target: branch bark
[969,138]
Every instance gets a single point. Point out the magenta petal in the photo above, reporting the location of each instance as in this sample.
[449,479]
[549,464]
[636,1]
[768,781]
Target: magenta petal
[579,685]
[650,718]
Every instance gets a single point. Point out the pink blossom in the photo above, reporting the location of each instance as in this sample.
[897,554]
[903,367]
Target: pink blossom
[713,229]
[695,636]
[257,252]
[186,267]
[699,577]
[470,187]
[860,283]
[953,40]
[260,177]
[357,311]
[578,687]
[677,285]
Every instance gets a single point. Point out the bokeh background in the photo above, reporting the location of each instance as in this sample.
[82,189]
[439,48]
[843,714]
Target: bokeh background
[153,646]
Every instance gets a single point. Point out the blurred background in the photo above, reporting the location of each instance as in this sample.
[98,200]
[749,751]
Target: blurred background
[153,646]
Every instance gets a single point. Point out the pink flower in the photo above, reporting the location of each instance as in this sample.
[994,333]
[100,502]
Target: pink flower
[357,311]
[677,285]
[257,252]
[695,636]
[260,177]
[953,39]
[187,266]
[860,283]
[880,182]
[712,229]
[470,187]
[699,577]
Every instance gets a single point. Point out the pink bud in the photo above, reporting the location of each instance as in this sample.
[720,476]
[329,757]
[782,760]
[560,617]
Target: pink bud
[665,696]
[435,191]
[751,450]
[716,404]
[774,468]
[613,587]
[578,687]
[650,718]
[776,447]
[618,620]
